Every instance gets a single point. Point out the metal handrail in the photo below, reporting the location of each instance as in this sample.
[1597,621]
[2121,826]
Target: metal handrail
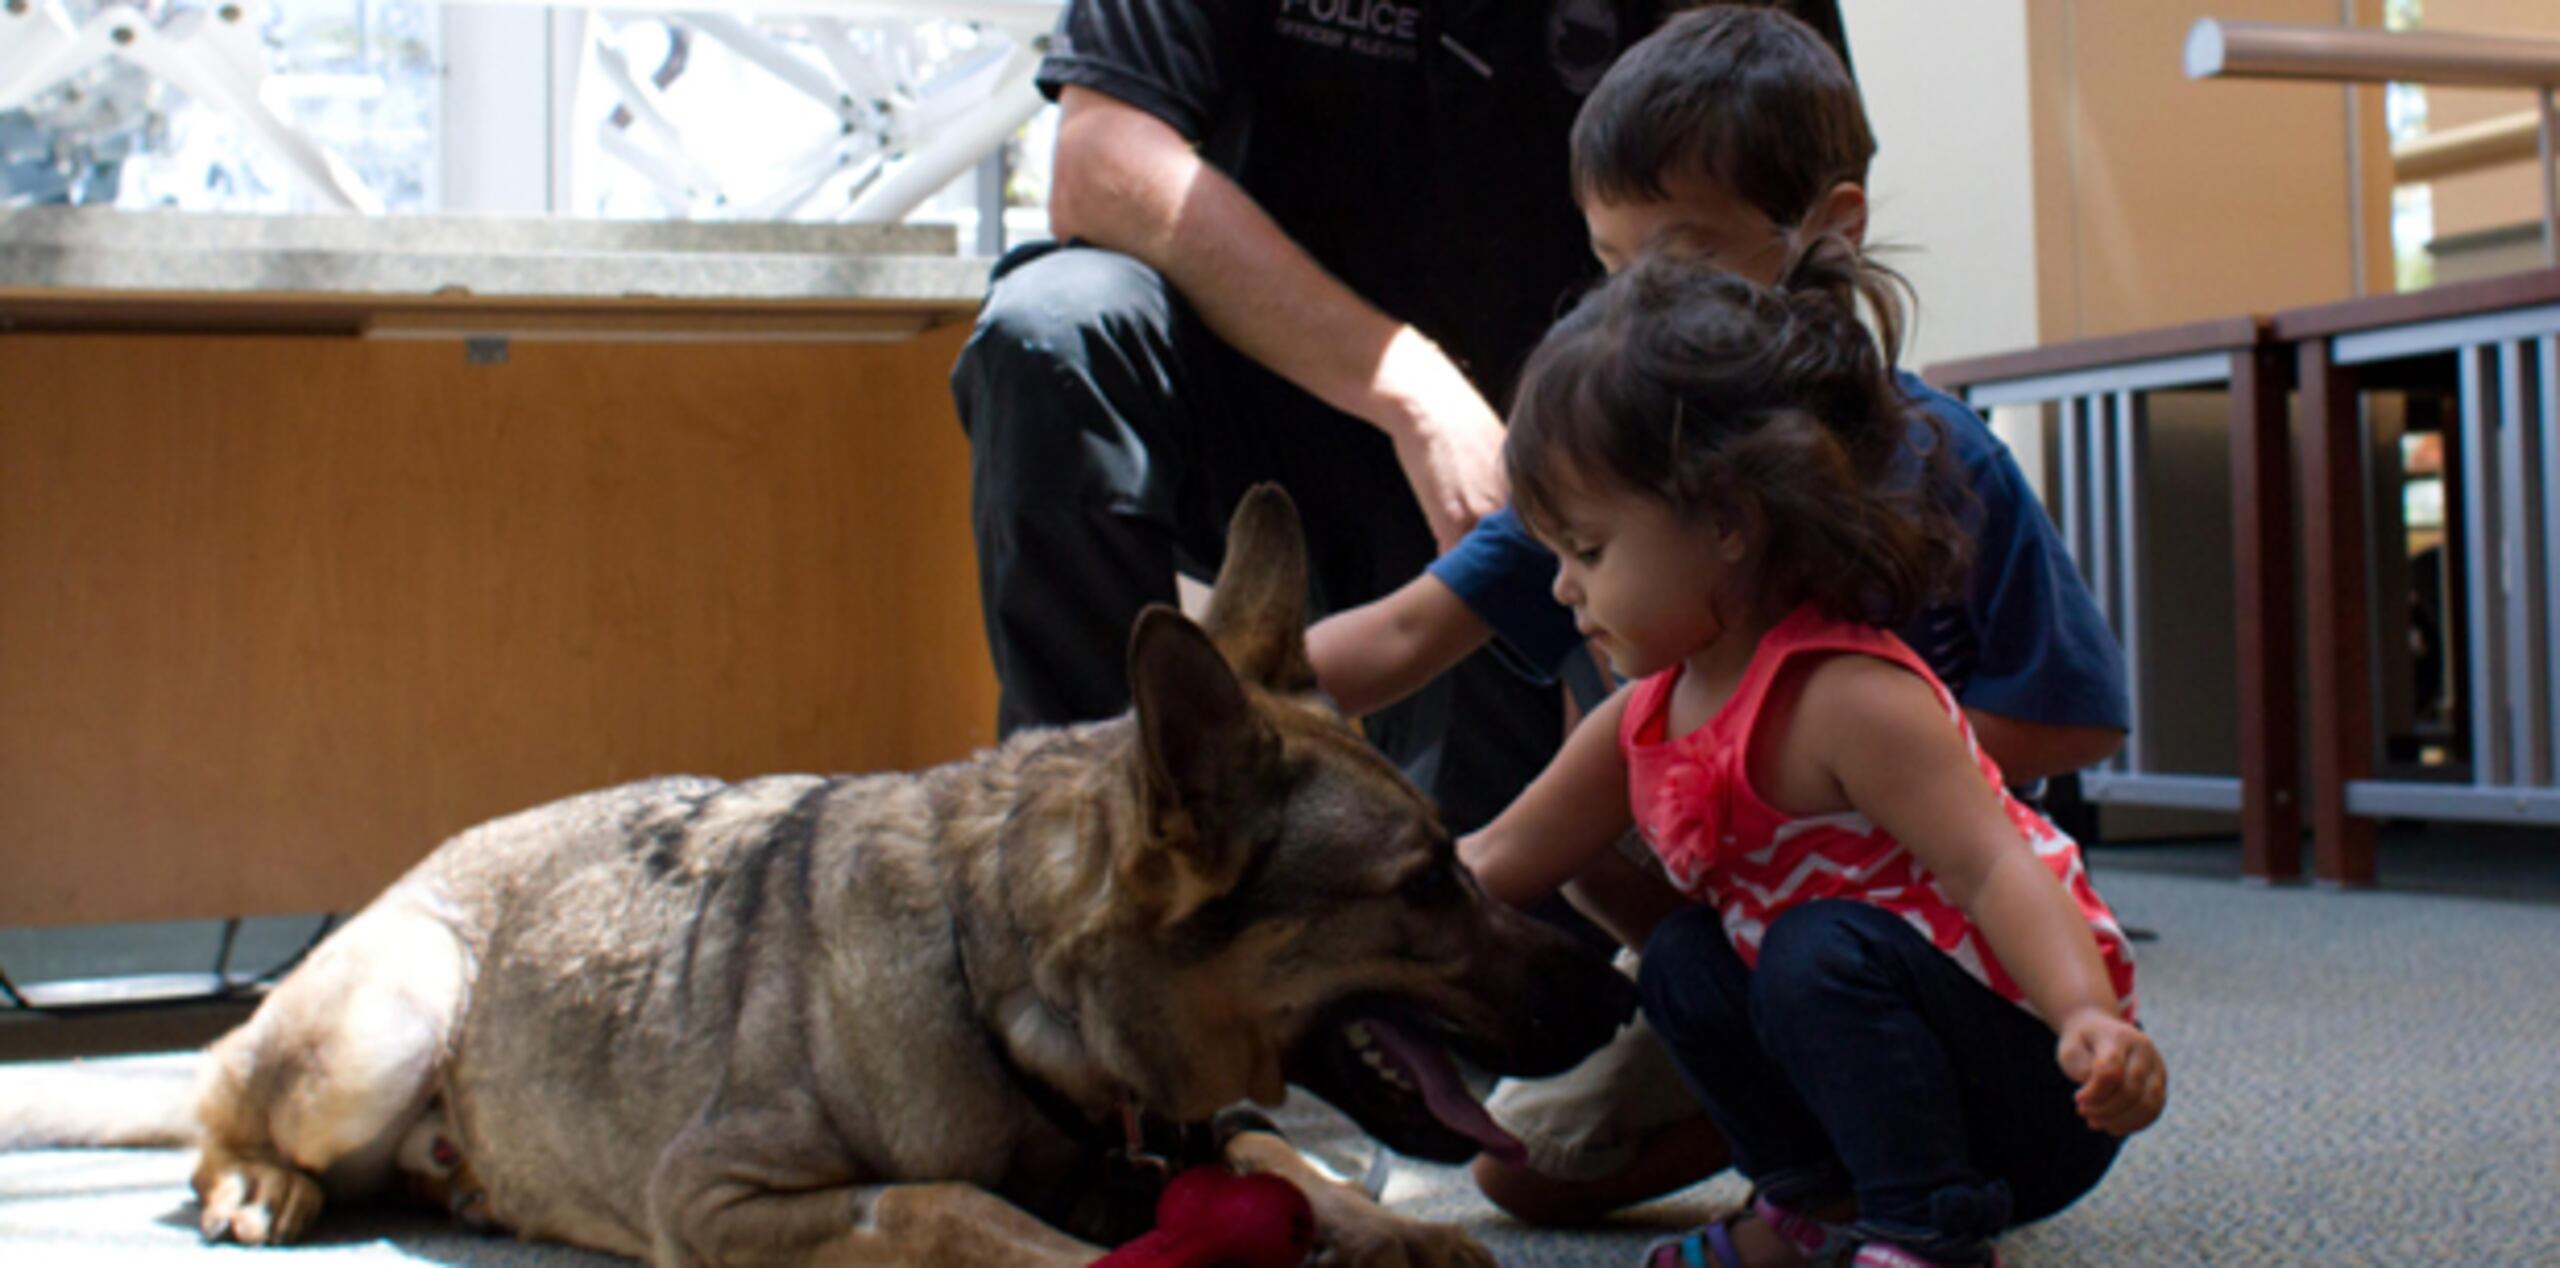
[2292,50]
[2287,50]
[2507,138]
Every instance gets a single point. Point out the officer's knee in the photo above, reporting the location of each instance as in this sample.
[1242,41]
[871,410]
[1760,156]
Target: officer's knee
[1046,351]
[1061,304]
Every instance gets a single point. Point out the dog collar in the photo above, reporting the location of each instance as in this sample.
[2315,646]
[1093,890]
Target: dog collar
[1147,1144]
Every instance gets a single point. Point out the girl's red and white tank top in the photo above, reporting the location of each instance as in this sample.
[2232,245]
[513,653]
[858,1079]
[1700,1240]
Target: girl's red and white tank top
[1724,846]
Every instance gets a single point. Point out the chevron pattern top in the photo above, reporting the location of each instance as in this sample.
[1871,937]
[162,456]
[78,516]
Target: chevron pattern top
[1725,846]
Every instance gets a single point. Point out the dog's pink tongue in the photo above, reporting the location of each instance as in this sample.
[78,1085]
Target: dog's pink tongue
[1444,1091]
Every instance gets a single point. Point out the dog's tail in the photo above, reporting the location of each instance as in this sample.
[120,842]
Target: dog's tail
[145,1104]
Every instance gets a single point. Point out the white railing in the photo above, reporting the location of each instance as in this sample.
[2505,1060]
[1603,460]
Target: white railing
[211,54]
[906,126]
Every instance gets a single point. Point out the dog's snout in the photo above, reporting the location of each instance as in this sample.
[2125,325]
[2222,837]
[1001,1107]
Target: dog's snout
[1560,999]
[1577,1001]
[1615,996]
[1620,1000]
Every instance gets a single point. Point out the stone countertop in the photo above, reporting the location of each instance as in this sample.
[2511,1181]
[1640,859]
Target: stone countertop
[95,250]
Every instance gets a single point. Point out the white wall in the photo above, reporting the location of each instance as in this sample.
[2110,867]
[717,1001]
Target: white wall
[1946,89]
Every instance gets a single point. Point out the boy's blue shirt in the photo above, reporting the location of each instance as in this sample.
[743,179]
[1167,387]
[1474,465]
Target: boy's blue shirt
[2025,642]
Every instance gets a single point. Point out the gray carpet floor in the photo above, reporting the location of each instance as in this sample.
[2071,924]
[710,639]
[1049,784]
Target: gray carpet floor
[2357,1078]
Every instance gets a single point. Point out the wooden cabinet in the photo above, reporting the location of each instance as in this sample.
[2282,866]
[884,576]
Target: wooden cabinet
[281,609]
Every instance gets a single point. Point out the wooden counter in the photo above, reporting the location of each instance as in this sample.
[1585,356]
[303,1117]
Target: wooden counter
[281,606]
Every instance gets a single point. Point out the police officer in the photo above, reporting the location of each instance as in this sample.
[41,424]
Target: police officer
[1307,241]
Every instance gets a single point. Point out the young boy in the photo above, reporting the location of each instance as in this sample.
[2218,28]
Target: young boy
[1729,132]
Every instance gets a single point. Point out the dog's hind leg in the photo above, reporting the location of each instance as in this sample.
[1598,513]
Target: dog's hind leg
[326,1076]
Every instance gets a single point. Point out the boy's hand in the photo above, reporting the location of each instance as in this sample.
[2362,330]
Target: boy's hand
[2123,1081]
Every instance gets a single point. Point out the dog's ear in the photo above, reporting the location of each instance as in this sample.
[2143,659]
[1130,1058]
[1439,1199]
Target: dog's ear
[1204,749]
[1258,609]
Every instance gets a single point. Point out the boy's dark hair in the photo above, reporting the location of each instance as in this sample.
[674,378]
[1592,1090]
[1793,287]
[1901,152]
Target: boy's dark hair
[1747,97]
[1765,408]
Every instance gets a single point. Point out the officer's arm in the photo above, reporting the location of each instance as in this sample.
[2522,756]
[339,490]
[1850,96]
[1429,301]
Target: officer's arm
[1127,181]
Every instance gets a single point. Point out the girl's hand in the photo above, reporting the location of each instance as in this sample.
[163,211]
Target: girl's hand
[2123,1081]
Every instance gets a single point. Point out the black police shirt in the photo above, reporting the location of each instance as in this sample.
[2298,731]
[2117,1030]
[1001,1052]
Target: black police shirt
[1416,148]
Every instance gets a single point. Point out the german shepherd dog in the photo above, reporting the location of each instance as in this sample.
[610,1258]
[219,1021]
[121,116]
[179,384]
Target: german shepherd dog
[945,1018]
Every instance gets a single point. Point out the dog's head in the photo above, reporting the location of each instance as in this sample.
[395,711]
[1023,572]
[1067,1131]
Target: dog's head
[1305,917]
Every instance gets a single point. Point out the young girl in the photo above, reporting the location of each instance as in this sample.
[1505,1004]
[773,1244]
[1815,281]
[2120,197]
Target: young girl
[1868,996]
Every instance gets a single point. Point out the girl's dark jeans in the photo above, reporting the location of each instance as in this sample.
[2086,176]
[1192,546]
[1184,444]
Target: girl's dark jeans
[1858,1060]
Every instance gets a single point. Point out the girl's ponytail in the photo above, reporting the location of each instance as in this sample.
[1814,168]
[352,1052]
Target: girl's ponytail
[1827,266]
[1827,280]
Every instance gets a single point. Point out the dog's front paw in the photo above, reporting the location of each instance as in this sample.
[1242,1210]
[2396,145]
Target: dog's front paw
[256,1203]
[1387,1240]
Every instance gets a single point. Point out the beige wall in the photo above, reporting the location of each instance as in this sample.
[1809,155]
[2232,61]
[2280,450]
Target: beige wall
[2163,200]
[1946,90]
[2051,173]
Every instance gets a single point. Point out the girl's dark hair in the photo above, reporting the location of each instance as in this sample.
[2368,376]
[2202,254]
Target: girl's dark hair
[1748,98]
[1766,408]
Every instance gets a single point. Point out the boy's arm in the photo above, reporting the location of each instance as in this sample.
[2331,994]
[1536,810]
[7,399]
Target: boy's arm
[1899,760]
[2028,751]
[1373,655]
[1495,584]
[1575,809]
[1126,180]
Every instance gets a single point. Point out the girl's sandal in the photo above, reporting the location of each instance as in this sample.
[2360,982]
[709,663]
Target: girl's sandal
[1888,1255]
[1708,1247]
[1712,1246]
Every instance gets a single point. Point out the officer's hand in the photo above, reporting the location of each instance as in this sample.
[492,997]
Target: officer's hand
[1449,441]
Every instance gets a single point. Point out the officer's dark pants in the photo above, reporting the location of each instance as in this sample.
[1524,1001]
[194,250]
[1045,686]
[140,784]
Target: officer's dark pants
[1111,435]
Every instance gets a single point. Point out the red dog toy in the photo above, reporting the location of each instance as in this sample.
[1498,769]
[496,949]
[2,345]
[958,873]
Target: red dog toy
[1212,1216]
